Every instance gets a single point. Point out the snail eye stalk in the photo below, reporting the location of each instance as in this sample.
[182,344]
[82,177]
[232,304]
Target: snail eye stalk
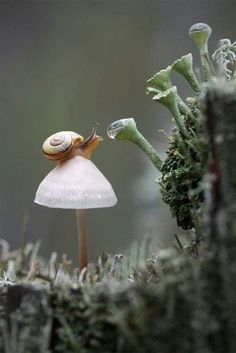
[88,139]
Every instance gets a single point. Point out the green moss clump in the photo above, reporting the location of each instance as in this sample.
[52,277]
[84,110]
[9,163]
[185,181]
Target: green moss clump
[181,182]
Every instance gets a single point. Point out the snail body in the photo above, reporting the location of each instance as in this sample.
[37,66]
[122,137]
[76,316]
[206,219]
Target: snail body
[62,145]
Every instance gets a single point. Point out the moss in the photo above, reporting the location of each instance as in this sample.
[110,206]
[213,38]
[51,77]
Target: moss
[123,303]
[183,172]
[138,313]
[133,317]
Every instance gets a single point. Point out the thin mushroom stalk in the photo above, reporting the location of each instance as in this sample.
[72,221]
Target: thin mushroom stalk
[75,183]
[82,237]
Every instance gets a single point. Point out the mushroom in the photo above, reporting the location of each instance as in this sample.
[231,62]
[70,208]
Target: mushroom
[75,182]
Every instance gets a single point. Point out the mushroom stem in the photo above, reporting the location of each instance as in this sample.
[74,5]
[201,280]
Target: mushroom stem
[82,237]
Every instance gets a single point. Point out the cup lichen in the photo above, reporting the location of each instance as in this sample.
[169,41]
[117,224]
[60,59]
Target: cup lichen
[182,181]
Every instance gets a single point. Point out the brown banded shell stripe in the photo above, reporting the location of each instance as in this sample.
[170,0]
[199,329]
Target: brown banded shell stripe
[58,146]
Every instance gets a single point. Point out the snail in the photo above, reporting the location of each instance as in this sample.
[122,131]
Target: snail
[67,144]
[75,182]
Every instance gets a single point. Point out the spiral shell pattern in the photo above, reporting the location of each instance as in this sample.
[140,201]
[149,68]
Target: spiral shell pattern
[59,146]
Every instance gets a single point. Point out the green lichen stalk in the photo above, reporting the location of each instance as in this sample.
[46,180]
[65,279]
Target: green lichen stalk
[126,129]
[200,33]
[184,66]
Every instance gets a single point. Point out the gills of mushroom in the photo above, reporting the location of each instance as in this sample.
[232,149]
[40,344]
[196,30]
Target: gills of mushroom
[76,183]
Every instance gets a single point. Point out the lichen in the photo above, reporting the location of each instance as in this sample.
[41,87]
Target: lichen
[183,181]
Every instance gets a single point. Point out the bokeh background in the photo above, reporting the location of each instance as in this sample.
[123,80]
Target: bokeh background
[66,65]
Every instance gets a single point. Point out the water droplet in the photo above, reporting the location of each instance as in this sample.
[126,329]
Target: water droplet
[116,127]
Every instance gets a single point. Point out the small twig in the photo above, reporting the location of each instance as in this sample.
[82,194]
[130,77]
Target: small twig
[179,242]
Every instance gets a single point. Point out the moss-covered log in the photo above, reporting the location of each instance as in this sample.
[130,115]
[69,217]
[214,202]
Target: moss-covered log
[220,290]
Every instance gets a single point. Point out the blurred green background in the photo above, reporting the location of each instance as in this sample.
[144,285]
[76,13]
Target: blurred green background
[66,65]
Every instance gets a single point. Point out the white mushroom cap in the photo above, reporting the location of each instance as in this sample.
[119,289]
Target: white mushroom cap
[75,183]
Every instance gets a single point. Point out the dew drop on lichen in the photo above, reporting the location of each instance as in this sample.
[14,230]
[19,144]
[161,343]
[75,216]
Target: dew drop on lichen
[116,127]
[111,133]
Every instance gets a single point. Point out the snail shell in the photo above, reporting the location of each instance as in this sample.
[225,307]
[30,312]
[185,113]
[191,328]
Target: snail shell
[60,146]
